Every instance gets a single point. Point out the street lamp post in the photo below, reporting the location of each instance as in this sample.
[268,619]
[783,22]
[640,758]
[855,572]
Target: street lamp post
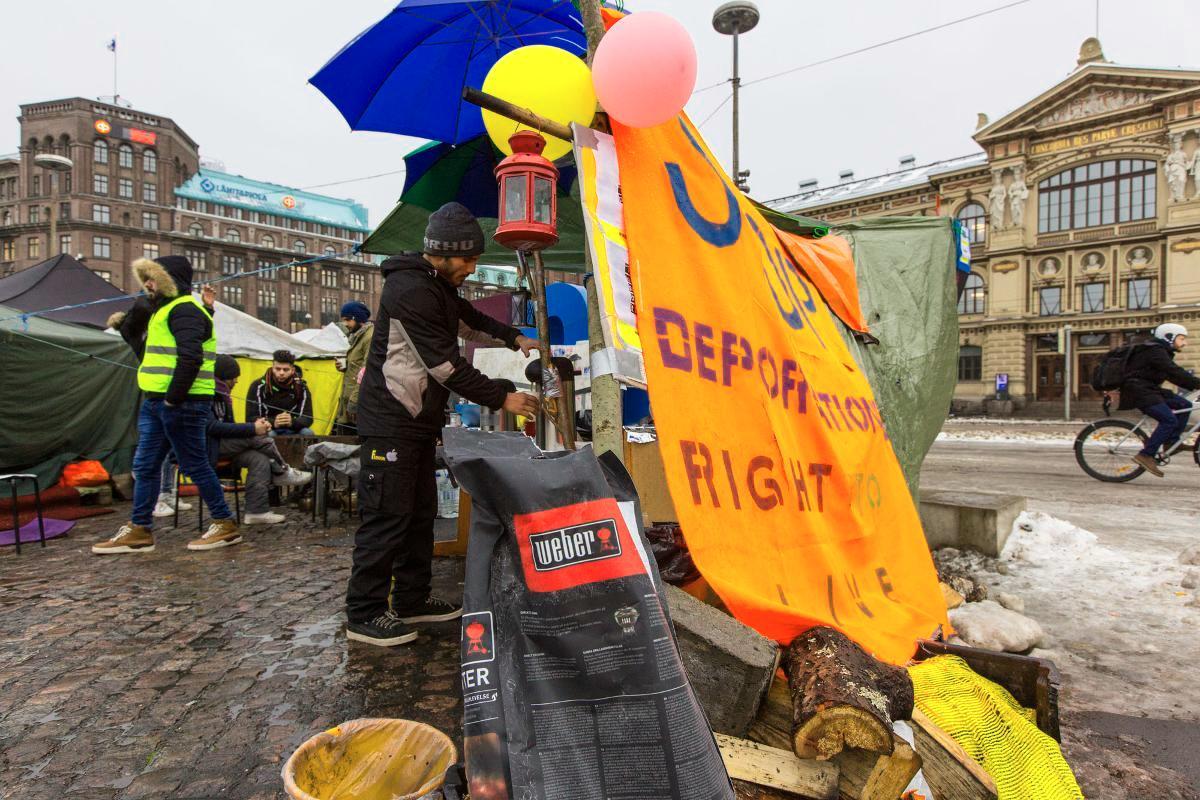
[731,19]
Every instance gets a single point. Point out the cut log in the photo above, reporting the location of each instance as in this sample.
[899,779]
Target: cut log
[949,770]
[744,790]
[841,696]
[777,770]
[773,725]
[871,776]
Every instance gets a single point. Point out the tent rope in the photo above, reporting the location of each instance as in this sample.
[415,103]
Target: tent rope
[27,315]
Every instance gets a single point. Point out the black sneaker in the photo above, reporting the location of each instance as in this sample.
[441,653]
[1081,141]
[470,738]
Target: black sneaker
[434,609]
[386,630]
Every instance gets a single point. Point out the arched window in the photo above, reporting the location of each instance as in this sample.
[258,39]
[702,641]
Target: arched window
[974,219]
[196,229]
[329,251]
[971,300]
[1100,193]
[267,241]
[299,246]
[125,156]
[100,151]
[233,235]
[970,363]
[149,161]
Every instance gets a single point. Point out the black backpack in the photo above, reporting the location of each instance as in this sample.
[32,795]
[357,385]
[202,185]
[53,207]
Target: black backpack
[1109,374]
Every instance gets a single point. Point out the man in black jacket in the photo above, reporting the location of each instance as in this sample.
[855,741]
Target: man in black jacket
[413,364]
[282,397]
[1149,365]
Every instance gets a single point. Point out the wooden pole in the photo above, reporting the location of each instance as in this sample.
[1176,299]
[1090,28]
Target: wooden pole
[607,433]
[553,400]
[514,112]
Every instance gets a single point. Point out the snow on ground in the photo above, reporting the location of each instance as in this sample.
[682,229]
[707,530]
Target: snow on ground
[1052,439]
[1118,614]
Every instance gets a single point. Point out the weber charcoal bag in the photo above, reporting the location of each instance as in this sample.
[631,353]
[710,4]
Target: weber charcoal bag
[573,688]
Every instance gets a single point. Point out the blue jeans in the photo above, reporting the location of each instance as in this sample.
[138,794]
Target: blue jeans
[184,429]
[1170,424]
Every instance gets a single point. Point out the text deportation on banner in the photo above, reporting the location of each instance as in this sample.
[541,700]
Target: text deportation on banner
[600,196]
[793,503]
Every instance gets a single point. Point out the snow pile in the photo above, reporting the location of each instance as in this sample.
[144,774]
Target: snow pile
[990,625]
[1039,538]
[995,437]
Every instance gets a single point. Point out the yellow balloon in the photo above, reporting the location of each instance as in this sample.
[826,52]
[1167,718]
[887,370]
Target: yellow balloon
[547,80]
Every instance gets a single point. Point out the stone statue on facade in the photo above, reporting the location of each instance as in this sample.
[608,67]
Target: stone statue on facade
[1176,169]
[1195,170]
[1018,193]
[997,200]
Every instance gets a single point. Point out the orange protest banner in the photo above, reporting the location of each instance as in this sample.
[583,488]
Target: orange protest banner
[829,264]
[789,494]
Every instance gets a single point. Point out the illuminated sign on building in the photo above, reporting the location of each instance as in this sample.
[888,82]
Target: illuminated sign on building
[103,127]
[288,202]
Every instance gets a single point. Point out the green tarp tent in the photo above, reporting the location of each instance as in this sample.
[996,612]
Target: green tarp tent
[907,286]
[66,392]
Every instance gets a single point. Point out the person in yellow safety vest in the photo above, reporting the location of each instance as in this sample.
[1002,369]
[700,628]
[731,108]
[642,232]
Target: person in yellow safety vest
[177,377]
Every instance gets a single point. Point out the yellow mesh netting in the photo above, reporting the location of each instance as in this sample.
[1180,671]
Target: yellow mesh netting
[994,730]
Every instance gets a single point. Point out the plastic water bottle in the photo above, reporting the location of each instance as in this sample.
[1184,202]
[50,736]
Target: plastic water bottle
[447,494]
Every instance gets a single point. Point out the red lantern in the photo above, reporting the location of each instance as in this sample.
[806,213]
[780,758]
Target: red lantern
[528,195]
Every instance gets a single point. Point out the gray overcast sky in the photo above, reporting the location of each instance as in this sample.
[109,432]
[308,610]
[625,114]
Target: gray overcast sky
[234,74]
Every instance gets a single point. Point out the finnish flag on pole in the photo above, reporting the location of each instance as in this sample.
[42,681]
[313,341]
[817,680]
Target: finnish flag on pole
[112,45]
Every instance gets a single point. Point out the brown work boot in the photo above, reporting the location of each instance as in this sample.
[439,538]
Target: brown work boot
[1149,463]
[129,538]
[221,533]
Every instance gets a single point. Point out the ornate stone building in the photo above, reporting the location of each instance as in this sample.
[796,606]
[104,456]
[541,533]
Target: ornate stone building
[1083,209]
[110,184]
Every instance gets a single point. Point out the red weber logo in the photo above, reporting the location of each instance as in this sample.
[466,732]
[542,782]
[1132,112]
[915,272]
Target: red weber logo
[575,545]
[562,548]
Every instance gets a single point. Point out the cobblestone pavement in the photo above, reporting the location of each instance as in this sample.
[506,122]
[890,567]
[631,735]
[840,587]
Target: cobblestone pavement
[194,675]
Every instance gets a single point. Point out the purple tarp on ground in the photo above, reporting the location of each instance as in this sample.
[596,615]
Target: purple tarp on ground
[29,531]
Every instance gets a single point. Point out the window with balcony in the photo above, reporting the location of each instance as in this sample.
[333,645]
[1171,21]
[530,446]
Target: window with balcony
[970,363]
[971,300]
[1100,193]
[101,213]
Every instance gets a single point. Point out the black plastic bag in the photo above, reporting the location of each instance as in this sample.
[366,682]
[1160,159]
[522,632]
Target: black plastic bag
[671,554]
[573,688]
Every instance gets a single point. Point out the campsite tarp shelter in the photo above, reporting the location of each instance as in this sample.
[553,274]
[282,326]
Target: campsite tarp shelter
[330,337]
[253,341]
[66,392]
[62,281]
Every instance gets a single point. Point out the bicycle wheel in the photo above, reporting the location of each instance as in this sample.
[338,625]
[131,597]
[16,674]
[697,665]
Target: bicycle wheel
[1105,450]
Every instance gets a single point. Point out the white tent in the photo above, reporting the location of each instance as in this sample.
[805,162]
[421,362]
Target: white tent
[239,334]
[330,337]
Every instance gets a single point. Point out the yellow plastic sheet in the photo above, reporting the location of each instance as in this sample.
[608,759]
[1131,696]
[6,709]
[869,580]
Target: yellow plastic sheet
[370,759]
[324,384]
[994,730]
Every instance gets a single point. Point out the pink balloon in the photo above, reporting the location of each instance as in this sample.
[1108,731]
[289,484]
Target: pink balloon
[645,69]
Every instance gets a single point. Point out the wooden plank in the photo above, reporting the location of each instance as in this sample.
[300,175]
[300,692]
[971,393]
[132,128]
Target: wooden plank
[744,790]
[866,775]
[773,726]
[458,547]
[778,769]
[645,465]
[950,771]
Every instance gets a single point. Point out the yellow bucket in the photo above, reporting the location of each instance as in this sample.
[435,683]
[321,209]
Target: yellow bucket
[370,759]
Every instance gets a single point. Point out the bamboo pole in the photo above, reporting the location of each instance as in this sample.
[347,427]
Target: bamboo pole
[515,112]
[552,389]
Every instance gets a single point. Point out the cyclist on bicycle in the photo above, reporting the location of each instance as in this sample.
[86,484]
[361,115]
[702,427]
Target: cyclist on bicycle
[1148,366]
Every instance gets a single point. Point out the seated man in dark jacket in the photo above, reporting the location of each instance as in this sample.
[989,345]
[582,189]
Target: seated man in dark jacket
[281,397]
[247,445]
[1149,365]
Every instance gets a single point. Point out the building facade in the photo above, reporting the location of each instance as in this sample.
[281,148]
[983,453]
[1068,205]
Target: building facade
[128,184]
[1083,211]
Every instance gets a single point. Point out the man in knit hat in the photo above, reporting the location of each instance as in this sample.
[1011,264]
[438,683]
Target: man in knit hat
[412,366]
[178,379]
[356,318]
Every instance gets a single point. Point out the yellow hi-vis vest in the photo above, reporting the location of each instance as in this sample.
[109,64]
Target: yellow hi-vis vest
[158,364]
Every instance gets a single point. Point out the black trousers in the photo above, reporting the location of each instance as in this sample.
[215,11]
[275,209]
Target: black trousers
[393,546]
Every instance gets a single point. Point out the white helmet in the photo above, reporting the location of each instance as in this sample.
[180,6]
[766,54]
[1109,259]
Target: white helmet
[1168,331]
